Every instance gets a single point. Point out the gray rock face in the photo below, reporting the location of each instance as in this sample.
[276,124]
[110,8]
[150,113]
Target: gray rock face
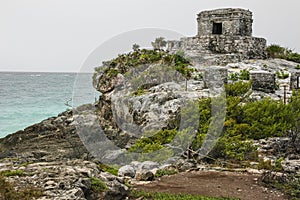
[263,81]
[127,170]
[144,175]
[67,180]
[295,81]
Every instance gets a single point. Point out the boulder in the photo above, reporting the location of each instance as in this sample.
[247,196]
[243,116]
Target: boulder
[127,170]
[144,175]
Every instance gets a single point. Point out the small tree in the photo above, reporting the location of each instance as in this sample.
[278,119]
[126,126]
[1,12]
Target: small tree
[135,47]
[159,43]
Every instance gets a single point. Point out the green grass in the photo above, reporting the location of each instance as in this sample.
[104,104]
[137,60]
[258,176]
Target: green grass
[110,169]
[7,191]
[166,196]
[164,172]
[13,173]
[98,185]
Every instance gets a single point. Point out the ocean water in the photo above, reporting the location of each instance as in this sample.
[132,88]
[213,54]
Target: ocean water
[28,98]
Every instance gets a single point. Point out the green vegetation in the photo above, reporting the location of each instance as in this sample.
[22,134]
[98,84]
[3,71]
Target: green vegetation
[135,47]
[140,91]
[110,169]
[164,172]
[276,51]
[245,121]
[237,89]
[153,142]
[26,164]
[8,192]
[244,74]
[234,76]
[166,196]
[290,184]
[281,75]
[13,173]
[159,43]
[98,185]
[126,64]
[297,67]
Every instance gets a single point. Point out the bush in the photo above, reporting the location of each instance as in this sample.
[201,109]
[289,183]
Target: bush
[237,89]
[281,75]
[234,76]
[98,185]
[244,74]
[276,51]
[110,169]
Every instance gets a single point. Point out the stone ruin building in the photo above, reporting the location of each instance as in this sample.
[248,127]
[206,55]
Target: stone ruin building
[224,36]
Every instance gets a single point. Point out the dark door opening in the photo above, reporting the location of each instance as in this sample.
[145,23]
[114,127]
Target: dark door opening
[217,28]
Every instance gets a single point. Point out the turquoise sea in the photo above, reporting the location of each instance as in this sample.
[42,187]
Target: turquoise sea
[28,98]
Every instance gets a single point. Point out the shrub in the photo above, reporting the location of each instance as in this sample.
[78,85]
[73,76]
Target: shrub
[234,76]
[281,75]
[276,51]
[244,74]
[154,142]
[110,169]
[237,89]
[98,185]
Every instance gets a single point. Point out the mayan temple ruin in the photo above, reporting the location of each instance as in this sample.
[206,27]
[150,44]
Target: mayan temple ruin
[224,36]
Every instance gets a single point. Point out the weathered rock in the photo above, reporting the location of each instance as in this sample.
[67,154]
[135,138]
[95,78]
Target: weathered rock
[67,180]
[127,170]
[263,81]
[144,175]
[184,165]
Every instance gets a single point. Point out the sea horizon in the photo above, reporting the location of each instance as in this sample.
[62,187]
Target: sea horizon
[30,97]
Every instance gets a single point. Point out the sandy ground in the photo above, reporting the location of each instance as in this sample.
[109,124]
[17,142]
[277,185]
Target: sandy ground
[211,183]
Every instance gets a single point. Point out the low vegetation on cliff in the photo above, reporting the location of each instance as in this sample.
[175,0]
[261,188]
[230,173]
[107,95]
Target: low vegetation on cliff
[277,51]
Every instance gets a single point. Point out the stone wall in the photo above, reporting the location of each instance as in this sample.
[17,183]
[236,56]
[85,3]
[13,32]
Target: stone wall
[226,48]
[235,21]
[247,47]
[294,82]
[263,81]
[224,36]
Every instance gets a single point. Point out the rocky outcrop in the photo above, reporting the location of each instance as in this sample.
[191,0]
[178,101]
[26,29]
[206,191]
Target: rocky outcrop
[51,156]
[74,179]
[52,139]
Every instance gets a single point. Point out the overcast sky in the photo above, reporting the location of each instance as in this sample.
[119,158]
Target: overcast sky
[59,35]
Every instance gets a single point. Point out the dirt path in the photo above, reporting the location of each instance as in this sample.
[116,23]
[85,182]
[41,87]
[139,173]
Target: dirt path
[216,184]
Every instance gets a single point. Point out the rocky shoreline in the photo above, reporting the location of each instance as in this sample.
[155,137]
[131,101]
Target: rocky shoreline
[50,156]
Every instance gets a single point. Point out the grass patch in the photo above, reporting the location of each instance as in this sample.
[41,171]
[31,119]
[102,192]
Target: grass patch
[110,169]
[98,185]
[13,173]
[166,196]
[164,172]
[8,192]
